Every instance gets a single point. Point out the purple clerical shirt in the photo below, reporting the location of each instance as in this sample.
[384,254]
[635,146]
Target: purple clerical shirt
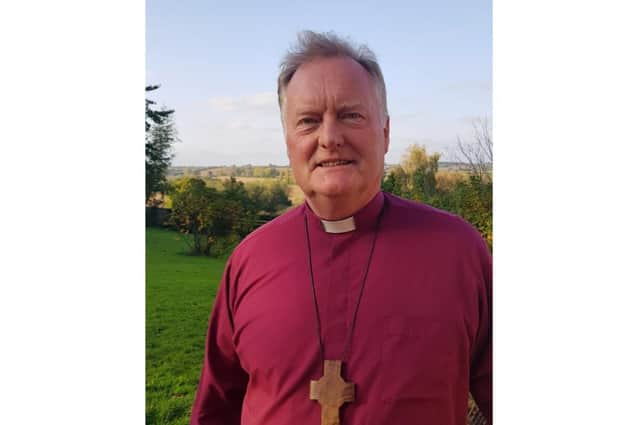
[422,337]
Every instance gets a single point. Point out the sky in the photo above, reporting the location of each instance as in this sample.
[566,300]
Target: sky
[217,64]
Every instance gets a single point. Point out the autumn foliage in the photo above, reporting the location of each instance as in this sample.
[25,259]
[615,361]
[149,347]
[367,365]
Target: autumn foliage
[468,193]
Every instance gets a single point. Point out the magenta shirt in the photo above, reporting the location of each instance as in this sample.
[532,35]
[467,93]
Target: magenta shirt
[422,338]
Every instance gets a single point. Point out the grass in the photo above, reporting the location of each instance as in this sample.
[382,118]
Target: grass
[179,294]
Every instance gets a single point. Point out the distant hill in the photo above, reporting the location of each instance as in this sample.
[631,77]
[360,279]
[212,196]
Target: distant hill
[265,171]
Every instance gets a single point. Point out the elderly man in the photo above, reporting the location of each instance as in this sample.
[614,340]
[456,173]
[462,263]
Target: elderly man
[357,307]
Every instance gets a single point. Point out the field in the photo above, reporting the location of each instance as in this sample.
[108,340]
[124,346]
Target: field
[179,293]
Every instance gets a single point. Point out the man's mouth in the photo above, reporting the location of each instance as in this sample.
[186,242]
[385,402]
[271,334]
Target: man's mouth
[334,163]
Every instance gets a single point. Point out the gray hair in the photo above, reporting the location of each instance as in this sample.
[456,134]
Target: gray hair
[312,45]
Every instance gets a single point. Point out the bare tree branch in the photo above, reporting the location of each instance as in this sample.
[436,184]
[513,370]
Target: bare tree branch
[477,154]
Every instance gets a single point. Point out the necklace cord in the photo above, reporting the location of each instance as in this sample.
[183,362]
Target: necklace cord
[364,279]
[313,290]
[347,343]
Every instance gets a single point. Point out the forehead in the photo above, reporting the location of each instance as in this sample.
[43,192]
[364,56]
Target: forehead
[329,80]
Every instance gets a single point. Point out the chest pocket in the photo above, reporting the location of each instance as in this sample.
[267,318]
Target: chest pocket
[422,357]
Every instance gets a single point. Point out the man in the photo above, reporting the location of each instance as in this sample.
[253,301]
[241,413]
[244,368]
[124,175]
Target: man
[357,307]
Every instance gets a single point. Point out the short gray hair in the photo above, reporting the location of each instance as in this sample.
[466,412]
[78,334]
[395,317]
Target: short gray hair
[312,45]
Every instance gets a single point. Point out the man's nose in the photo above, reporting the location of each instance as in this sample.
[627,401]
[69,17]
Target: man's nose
[330,134]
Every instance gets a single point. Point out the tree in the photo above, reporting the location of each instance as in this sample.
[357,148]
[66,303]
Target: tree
[268,199]
[209,217]
[159,155]
[278,198]
[191,213]
[478,152]
[421,169]
[397,182]
[247,214]
[389,182]
[475,196]
[470,197]
[235,189]
[154,116]
[159,138]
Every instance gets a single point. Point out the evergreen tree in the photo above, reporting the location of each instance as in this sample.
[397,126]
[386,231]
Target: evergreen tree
[160,136]
[154,116]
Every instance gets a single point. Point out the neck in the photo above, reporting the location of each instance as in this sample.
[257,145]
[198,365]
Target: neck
[337,208]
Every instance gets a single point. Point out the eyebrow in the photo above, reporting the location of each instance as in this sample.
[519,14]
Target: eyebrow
[352,105]
[312,110]
[306,110]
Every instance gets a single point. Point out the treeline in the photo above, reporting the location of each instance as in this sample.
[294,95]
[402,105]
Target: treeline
[248,170]
[214,220]
[468,194]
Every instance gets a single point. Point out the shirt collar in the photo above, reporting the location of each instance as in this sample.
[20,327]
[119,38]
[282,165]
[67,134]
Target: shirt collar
[363,219]
[339,226]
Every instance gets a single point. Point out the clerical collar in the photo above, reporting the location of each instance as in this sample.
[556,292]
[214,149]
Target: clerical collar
[363,219]
[339,226]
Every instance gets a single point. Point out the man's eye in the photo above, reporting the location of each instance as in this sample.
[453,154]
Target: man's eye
[306,121]
[352,115]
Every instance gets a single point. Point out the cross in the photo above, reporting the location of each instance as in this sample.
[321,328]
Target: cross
[331,391]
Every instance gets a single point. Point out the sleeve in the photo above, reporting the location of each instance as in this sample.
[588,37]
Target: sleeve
[481,363]
[223,381]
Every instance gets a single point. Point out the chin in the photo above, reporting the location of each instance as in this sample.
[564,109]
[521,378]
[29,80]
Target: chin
[335,186]
[337,190]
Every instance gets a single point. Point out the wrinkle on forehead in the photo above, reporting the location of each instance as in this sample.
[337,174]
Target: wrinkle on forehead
[316,89]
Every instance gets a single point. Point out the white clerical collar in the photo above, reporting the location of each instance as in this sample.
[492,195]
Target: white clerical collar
[339,226]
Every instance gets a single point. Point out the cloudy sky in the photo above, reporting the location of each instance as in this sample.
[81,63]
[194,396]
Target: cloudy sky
[217,64]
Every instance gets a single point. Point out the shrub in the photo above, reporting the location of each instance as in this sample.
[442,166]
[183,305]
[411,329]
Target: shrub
[210,218]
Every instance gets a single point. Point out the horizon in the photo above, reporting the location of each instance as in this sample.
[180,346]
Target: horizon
[286,165]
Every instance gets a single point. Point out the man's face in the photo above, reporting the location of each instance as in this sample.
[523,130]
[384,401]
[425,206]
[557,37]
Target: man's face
[335,132]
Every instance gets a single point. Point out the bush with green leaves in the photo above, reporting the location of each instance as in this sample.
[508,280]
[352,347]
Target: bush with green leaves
[216,220]
[471,199]
[212,219]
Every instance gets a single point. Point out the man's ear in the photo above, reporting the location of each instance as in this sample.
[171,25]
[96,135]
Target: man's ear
[284,133]
[386,135]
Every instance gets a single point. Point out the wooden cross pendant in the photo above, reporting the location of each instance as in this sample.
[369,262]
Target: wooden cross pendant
[332,391]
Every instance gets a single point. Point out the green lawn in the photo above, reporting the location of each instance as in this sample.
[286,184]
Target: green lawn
[179,293]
